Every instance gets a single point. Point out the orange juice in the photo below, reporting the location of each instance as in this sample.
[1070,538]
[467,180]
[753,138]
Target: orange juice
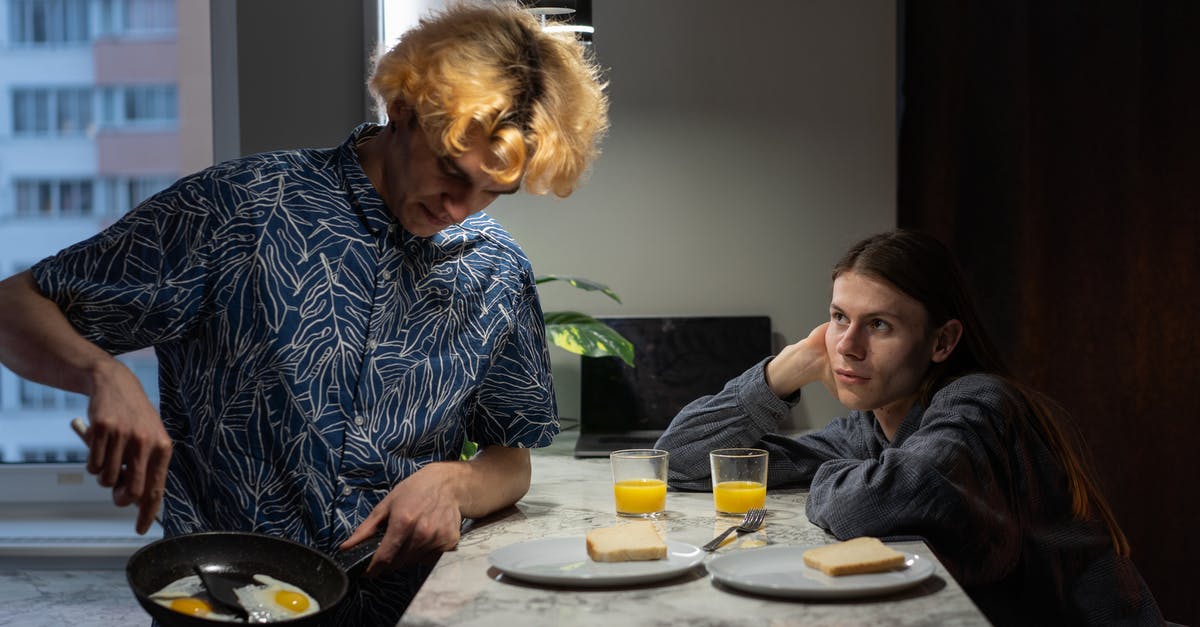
[640,496]
[735,497]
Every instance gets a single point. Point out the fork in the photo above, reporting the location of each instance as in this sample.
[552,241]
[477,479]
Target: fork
[751,522]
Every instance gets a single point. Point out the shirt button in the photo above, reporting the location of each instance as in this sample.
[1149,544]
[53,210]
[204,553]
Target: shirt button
[372,345]
[387,275]
[346,491]
[358,420]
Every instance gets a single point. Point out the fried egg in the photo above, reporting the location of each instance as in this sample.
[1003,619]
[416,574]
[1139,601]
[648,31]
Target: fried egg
[275,600]
[187,596]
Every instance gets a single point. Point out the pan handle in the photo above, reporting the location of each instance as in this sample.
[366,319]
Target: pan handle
[354,560]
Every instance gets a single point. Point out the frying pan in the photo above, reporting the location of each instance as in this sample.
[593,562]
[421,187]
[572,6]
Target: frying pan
[240,555]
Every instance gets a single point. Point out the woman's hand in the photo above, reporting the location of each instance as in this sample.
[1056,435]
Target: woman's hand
[801,363]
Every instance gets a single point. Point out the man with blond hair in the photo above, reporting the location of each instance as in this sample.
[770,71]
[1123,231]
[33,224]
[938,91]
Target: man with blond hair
[332,324]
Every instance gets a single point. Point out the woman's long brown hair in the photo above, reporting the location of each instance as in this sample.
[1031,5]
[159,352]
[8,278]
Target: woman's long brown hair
[923,268]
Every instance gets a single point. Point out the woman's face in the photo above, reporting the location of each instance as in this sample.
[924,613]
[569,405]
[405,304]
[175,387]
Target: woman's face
[879,345]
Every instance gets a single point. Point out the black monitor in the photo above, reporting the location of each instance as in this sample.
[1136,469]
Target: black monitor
[677,359]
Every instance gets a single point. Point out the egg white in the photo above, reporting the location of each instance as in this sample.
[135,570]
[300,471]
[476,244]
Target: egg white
[259,600]
[189,586]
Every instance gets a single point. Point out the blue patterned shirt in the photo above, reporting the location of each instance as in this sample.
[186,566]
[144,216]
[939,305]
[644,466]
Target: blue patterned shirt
[311,352]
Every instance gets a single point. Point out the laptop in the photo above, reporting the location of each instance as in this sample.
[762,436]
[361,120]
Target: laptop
[677,359]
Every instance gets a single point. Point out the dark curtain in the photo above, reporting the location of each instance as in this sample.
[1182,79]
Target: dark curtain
[1055,146]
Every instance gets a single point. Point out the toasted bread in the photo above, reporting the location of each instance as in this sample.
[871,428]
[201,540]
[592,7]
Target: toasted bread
[628,542]
[854,557]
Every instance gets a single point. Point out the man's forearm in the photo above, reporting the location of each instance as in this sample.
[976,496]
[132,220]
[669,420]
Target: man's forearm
[38,342]
[494,479]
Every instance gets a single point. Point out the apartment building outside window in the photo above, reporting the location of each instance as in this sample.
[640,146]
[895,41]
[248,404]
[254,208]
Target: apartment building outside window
[69,22]
[76,126]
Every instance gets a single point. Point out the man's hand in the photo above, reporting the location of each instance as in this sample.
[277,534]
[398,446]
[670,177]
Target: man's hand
[128,448]
[127,445]
[801,363]
[423,513]
[422,517]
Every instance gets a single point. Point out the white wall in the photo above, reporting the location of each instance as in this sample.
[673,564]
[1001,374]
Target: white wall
[751,143]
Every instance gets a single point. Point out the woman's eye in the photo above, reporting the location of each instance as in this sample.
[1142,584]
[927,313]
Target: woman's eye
[837,316]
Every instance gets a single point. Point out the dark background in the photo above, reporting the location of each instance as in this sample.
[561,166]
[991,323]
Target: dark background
[1055,146]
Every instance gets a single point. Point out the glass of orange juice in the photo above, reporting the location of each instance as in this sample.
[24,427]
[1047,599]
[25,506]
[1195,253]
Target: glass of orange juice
[639,481]
[739,479]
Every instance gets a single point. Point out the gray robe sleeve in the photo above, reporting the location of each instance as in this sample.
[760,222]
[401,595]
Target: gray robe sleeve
[746,413]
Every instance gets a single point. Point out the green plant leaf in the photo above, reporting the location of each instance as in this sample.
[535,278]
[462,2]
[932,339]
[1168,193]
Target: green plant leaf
[581,283]
[584,335]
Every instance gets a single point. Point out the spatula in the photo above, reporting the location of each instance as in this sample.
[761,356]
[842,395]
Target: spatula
[221,589]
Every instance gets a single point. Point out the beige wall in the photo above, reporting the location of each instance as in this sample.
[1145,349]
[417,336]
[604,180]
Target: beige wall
[750,144]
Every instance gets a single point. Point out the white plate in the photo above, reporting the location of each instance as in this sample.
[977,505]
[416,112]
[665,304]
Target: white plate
[565,562]
[780,571]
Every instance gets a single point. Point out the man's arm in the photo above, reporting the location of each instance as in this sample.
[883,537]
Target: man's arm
[127,446]
[423,513]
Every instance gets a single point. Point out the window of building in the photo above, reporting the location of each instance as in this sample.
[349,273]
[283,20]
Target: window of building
[139,106]
[55,111]
[136,17]
[48,22]
[50,198]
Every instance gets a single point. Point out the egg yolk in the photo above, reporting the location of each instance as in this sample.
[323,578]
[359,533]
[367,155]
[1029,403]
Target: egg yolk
[189,605]
[293,601]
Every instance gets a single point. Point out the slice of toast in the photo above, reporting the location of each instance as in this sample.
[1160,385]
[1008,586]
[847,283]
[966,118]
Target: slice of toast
[854,557]
[634,541]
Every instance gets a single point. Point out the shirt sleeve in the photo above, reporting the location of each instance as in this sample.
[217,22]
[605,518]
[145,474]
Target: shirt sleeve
[946,482]
[139,282]
[515,405]
[746,413]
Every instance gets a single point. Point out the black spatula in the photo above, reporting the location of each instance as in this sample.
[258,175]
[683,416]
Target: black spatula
[221,588]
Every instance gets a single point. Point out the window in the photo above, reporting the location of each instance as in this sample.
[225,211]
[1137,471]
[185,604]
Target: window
[55,193]
[65,198]
[41,111]
[31,112]
[139,106]
[139,189]
[126,18]
[48,22]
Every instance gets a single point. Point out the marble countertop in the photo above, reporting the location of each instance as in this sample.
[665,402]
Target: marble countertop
[568,497]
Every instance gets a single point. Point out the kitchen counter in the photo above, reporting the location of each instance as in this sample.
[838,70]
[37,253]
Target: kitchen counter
[568,497]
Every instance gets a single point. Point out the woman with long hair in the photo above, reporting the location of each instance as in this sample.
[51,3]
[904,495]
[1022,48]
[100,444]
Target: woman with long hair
[941,442]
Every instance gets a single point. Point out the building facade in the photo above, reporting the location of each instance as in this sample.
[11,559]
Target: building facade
[89,127]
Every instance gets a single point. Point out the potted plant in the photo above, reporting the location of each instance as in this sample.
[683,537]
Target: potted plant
[580,333]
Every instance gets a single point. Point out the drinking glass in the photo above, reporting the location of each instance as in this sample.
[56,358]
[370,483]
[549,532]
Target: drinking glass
[739,479]
[639,481]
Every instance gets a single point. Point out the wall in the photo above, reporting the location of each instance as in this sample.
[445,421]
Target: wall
[750,145]
[287,73]
[748,148]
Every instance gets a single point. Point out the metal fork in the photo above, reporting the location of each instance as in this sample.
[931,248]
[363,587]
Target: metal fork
[751,522]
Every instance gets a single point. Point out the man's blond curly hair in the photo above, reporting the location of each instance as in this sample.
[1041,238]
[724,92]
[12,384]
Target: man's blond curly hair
[537,96]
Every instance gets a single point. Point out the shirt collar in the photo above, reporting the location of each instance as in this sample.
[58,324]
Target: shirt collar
[363,195]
